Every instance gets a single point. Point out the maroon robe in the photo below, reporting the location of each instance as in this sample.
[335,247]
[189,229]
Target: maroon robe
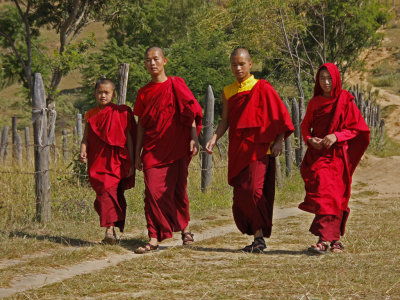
[109,162]
[167,111]
[256,117]
[327,172]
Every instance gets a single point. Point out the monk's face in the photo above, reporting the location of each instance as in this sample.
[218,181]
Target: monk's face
[325,81]
[155,62]
[104,94]
[241,65]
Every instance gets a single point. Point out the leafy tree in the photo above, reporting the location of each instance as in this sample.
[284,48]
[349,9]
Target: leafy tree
[19,35]
[197,52]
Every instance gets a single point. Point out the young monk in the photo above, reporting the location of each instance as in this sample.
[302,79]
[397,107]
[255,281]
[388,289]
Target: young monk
[337,137]
[167,138]
[258,123]
[108,147]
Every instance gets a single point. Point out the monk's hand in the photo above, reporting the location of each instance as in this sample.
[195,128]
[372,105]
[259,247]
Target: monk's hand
[329,140]
[210,145]
[194,147]
[315,143]
[82,157]
[277,148]
[138,163]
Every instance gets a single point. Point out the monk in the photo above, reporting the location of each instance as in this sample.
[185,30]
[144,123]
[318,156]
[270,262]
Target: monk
[337,137]
[258,123]
[108,147]
[169,121]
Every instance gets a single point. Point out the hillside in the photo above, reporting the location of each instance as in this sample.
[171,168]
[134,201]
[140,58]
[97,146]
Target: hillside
[381,74]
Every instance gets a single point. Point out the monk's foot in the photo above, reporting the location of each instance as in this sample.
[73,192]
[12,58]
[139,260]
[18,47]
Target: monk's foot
[320,248]
[109,239]
[187,238]
[257,246]
[148,248]
[337,247]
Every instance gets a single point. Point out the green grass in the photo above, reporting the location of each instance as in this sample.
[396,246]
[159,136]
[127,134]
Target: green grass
[383,147]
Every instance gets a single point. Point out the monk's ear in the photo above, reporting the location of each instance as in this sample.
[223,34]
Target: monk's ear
[165,61]
[250,63]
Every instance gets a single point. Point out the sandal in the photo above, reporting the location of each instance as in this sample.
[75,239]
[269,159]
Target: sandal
[257,246]
[187,238]
[337,247]
[147,249]
[321,247]
[109,239]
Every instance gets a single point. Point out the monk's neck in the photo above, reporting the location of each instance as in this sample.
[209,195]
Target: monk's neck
[104,106]
[327,95]
[243,79]
[159,78]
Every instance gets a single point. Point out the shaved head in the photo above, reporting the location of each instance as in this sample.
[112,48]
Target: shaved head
[241,52]
[154,48]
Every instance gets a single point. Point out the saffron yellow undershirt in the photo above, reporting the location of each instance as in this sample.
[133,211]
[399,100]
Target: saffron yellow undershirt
[236,87]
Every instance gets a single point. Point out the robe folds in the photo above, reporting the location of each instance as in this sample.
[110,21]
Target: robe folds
[167,111]
[167,119]
[327,173]
[256,117]
[109,162]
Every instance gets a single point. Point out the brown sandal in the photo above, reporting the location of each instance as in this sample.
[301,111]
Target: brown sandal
[109,239]
[337,247]
[147,249]
[187,238]
[321,247]
[257,246]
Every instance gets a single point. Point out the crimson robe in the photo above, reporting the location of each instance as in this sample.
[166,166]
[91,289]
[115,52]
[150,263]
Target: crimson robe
[109,162]
[327,173]
[167,111]
[256,117]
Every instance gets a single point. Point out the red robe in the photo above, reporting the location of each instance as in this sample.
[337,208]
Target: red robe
[256,117]
[109,162]
[167,111]
[327,173]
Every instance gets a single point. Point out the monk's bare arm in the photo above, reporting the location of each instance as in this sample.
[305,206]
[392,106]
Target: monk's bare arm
[139,144]
[222,127]
[83,153]
[194,142]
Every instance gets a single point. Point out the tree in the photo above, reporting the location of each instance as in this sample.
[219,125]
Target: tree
[195,45]
[20,31]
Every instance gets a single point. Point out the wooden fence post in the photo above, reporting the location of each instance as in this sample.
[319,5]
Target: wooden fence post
[278,172]
[296,123]
[27,145]
[42,180]
[18,149]
[75,135]
[52,134]
[65,145]
[361,104]
[288,150]
[378,115]
[206,163]
[123,83]
[382,133]
[13,138]
[79,127]
[4,145]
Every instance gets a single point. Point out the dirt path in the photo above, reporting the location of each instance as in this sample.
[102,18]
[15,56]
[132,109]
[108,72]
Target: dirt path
[373,175]
[35,281]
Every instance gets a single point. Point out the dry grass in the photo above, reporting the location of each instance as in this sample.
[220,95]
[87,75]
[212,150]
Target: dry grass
[215,270]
